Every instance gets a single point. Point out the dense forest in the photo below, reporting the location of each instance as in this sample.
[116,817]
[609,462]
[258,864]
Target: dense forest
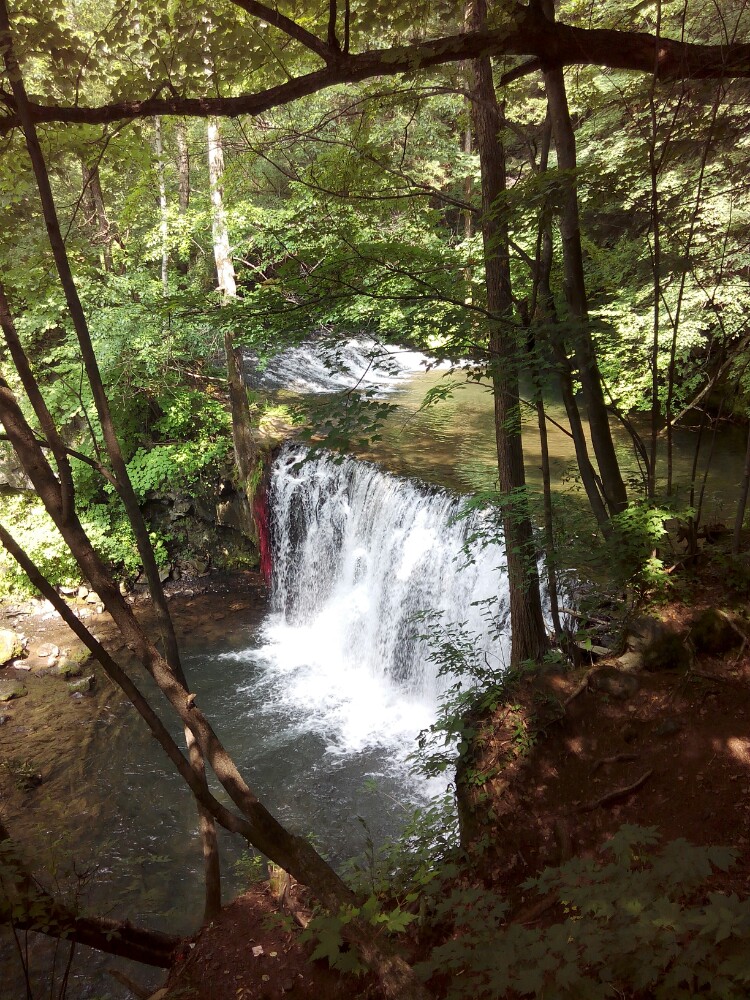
[550,203]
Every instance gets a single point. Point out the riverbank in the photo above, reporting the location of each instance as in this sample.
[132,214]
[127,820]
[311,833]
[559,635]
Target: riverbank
[556,770]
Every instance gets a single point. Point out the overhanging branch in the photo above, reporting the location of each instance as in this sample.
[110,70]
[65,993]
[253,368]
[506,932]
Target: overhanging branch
[528,35]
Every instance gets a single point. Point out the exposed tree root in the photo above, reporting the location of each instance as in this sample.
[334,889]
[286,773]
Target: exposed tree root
[618,793]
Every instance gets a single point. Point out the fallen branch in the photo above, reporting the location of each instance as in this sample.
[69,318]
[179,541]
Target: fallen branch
[585,617]
[618,793]
[737,659]
[26,905]
[708,676]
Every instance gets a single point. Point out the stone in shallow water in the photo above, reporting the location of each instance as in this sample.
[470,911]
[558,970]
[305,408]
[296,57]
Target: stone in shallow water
[11,645]
[11,689]
[83,686]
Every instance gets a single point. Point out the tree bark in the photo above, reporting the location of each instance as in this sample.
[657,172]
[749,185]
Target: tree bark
[163,217]
[245,450]
[94,197]
[575,288]
[575,294]
[529,638]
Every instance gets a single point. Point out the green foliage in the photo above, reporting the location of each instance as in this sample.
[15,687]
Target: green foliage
[34,531]
[251,867]
[634,922]
[352,420]
[401,869]
[639,532]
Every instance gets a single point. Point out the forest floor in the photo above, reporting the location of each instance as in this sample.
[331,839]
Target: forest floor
[672,752]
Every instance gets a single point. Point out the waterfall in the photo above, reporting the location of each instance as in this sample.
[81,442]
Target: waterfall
[322,367]
[357,554]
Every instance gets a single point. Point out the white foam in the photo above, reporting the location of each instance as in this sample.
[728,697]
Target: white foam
[318,366]
[357,554]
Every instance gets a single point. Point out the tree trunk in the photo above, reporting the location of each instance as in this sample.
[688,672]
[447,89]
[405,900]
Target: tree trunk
[183,167]
[183,187]
[529,639]
[546,314]
[94,198]
[575,291]
[120,479]
[163,217]
[245,449]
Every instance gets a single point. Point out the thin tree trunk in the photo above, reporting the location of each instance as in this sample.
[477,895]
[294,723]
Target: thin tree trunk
[656,229]
[245,450]
[546,312]
[183,185]
[163,217]
[529,639]
[549,531]
[575,289]
[121,478]
[672,367]
[183,166]
[95,199]
[739,519]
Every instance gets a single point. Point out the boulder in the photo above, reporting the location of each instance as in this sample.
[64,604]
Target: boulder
[614,682]
[642,631]
[72,662]
[667,652]
[712,633]
[11,645]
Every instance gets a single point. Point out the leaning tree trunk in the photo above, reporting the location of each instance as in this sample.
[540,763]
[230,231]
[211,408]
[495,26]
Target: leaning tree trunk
[262,830]
[529,638]
[119,478]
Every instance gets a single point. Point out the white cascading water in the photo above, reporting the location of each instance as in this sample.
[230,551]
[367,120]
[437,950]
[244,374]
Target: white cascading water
[357,554]
[320,367]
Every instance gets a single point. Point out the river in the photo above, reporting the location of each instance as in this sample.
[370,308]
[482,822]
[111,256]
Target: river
[320,695]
